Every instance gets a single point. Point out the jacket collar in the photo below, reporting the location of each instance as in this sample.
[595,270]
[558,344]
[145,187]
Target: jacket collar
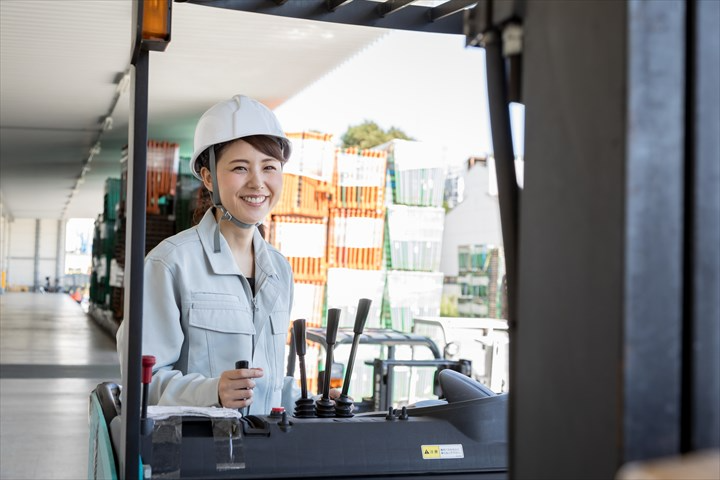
[223,263]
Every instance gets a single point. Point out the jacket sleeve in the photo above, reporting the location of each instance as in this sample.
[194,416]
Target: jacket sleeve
[163,337]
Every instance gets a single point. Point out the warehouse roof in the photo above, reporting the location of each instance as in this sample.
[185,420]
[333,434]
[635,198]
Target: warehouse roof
[64,96]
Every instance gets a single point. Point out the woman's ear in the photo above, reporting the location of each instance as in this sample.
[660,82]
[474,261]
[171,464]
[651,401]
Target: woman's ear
[207,178]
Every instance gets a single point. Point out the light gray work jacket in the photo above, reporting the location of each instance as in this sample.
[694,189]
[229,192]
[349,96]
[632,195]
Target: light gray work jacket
[200,317]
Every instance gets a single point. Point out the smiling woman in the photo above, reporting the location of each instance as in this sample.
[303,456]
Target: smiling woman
[249,177]
[218,293]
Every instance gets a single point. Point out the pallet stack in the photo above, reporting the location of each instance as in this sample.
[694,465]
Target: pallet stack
[298,224]
[414,226]
[302,241]
[355,237]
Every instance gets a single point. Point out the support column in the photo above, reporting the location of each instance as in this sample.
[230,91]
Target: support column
[598,374]
[59,253]
[134,255]
[36,258]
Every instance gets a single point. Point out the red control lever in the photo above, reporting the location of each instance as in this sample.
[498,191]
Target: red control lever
[148,361]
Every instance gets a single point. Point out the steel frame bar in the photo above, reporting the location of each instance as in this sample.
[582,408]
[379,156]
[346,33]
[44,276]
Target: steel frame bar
[358,12]
[392,6]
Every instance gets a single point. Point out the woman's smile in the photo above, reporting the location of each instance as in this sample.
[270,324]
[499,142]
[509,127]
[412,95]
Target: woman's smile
[255,200]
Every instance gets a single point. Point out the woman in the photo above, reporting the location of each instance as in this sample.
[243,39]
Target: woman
[218,292]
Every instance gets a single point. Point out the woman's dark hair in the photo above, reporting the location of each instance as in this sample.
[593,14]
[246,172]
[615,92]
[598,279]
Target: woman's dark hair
[262,143]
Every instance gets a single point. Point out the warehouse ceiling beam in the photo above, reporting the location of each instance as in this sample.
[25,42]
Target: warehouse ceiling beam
[448,19]
[392,6]
[449,8]
[332,5]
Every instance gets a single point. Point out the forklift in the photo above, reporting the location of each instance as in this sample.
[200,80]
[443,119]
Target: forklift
[612,87]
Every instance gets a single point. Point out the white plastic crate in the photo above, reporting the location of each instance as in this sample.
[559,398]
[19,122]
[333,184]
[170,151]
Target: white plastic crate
[415,236]
[311,157]
[419,170]
[413,294]
[346,286]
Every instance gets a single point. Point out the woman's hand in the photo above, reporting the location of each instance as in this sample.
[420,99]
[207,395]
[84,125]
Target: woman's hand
[235,388]
[334,393]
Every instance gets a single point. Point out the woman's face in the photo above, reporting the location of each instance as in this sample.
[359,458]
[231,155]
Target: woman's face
[250,181]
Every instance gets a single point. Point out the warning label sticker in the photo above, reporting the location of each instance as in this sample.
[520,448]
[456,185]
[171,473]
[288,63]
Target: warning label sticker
[436,452]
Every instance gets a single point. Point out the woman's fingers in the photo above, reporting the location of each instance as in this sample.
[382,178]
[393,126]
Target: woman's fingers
[240,398]
[235,398]
[240,384]
[235,387]
[335,393]
[243,373]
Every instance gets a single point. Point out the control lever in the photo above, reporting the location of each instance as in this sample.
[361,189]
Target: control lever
[304,406]
[146,424]
[325,407]
[238,365]
[344,404]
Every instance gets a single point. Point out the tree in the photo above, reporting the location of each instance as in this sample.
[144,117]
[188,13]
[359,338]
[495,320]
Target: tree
[368,135]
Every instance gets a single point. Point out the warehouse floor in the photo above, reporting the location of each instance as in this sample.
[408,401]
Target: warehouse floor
[51,357]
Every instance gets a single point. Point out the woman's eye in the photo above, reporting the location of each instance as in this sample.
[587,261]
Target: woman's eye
[239,169]
[270,167]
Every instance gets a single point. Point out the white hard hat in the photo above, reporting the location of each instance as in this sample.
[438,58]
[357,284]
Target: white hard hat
[239,117]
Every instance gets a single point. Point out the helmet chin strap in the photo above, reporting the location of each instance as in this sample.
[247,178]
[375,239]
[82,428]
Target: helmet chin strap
[226,215]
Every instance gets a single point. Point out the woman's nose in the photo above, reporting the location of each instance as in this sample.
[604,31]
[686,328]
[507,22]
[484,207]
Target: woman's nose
[255,180]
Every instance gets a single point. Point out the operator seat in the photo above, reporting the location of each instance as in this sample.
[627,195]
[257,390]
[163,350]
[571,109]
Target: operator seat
[458,387]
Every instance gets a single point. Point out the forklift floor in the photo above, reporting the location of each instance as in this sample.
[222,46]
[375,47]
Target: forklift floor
[51,356]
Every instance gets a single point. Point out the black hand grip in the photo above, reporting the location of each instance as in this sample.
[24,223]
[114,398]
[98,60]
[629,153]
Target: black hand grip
[361,316]
[238,365]
[333,320]
[299,335]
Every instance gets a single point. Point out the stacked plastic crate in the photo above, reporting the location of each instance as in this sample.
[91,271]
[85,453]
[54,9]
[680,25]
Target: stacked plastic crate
[415,222]
[355,237]
[481,271]
[298,223]
[101,279]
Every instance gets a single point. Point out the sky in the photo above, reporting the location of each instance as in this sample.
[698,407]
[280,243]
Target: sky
[429,85]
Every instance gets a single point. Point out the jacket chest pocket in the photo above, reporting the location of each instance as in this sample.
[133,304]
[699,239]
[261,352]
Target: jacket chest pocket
[220,334]
[280,321]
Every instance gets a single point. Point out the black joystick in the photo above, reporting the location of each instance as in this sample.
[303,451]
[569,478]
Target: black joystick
[304,406]
[239,365]
[325,407]
[344,404]
[146,423]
